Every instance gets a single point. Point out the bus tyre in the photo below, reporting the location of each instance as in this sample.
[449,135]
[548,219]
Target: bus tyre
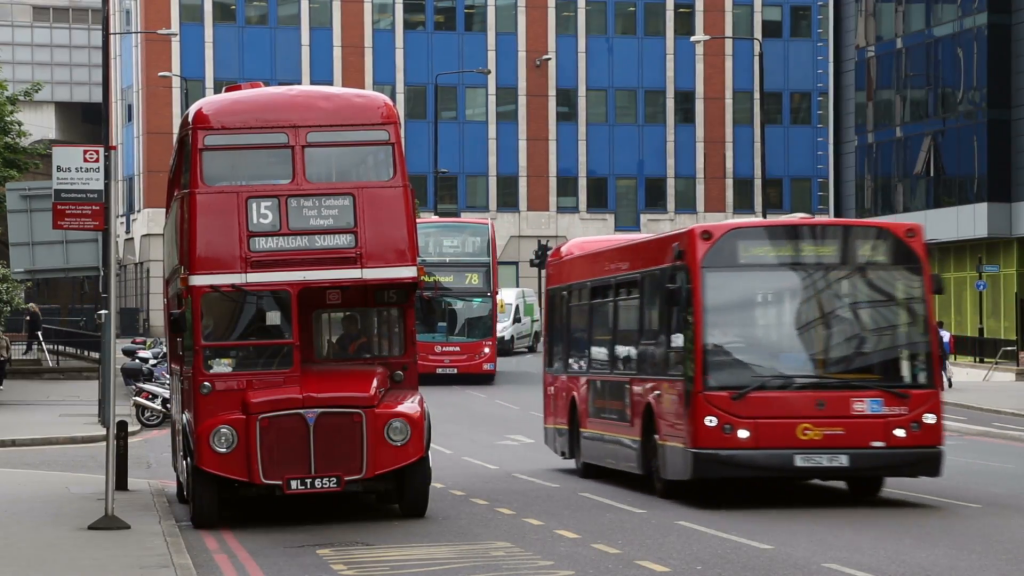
[179,490]
[414,495]
[533,344]
[203,498]
[865,488]
[659,486]
[583,469]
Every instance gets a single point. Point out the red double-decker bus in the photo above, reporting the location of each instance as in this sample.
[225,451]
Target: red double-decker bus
[794,348]
[456,314]
[290,277]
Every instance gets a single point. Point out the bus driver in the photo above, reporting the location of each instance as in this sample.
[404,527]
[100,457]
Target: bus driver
[351,343]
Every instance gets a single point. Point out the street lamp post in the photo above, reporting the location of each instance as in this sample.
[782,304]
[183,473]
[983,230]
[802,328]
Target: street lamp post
[184,87]
[437,121]
[108,268]
[760,98]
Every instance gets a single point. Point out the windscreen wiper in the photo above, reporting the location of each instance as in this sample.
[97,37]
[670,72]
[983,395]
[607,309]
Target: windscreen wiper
[768,378]
[227,295]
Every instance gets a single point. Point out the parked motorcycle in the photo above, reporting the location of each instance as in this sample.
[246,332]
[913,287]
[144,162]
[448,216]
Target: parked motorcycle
[151,391]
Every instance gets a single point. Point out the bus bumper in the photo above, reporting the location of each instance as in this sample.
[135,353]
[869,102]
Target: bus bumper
[688,464]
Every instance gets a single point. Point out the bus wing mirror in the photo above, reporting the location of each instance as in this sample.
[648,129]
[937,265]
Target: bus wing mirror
[937,287]
[177,322]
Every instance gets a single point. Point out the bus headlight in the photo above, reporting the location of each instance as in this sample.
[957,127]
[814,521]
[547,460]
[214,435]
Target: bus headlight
[223,439]
[710,421]
[929,418]
[397,431]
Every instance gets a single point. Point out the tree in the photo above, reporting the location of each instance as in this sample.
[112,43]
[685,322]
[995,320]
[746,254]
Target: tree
[16,155]
[12,294]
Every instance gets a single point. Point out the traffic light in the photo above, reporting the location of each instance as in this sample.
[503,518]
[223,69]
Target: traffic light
[540,255]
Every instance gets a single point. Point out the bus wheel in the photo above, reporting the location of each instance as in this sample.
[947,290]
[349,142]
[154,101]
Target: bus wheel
[583,469]
[534,344]
[179,491]
[662,488]
[203,498]
[415,491]
[865,488]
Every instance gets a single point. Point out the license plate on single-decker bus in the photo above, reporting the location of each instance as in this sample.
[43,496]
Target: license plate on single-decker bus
[822,460]
[313,484]
[447,370]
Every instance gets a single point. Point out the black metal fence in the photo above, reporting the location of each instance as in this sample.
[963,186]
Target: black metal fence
[61,344]
[968,348]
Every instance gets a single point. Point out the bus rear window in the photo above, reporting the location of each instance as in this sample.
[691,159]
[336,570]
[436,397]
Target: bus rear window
[350,163]
[249,167]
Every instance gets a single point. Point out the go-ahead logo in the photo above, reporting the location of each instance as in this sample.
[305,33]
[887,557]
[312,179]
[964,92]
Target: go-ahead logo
[812,432]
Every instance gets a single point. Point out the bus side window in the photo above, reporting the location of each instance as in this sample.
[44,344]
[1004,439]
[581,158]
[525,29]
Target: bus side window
[558,308]
[653,342]
[579,330]
[680,333]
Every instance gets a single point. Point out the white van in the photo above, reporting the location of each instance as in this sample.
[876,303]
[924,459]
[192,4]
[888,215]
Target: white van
[518,320]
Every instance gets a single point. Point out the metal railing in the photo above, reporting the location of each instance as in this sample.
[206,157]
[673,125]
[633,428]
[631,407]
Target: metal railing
[996,361]
[55,344]
[974,349]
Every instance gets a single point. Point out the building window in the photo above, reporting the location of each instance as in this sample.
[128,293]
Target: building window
[97,17]
[508,192]
[597,106]
[195,90]
[80,17]
[772,108]
[773,194]
[800,195]
[505,16]
[447,102]
[654,19]
[823,109]
[447,195]
[508,105]
[654,105]
[686,107]
[684,20]
[444,16]
[127,100]
[656,194]
[567,190]
[320,13]
[597,18]
[800,21]
[800,108]
[742,108]
[476,193]
[742,195]
[287,12]
[476,104]
[913,20]
[419,189]
[823,195]
[61,16]
[257,12]
[565,17]
[385,89]
[191,11]
[565,105]
[625,18]
[771,21]
[508,274]
[383,14]
[415,102]
[41,15]
[415,14]
[626,214]
[224,12]
[743,20]
[597,192]
[475,16]
[686,194]
[625,106]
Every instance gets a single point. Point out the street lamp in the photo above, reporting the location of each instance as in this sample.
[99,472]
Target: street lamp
[760,97]
[184,85]
[109,270]
[437,118]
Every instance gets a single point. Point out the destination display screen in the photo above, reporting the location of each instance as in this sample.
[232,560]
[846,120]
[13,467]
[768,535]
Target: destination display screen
[454,241]
[321,212]
[810,251]
[475,278]
[302,242]
[810,245]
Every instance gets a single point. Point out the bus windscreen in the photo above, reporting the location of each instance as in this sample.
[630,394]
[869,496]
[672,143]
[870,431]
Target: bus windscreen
[454,241]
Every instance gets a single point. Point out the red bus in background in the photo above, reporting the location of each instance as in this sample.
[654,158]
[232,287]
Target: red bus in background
[290,276]
[794,348]
[456,314]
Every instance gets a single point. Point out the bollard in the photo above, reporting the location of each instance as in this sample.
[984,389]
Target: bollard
[121,451]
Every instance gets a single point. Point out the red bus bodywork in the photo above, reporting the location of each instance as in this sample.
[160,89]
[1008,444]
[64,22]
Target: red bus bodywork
[641,400]
[260,271]
[466,344]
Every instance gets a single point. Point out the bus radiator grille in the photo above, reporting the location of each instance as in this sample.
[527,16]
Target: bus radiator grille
[284,446]
[338,444]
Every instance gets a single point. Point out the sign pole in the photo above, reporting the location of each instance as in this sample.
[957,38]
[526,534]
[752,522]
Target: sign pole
[981,311]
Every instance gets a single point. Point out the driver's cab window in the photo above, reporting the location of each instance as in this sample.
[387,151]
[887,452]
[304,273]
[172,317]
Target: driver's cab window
[516,317]
[680,325]
[355,333]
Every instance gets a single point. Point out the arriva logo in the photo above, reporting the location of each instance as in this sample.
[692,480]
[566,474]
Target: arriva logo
[447,349]
[811,432]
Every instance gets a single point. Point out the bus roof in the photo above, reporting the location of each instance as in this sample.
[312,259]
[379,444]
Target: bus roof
[591,243]
[290,107]
[453,221]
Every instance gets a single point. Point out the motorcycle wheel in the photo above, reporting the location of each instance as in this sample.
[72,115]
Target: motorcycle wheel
[148,418]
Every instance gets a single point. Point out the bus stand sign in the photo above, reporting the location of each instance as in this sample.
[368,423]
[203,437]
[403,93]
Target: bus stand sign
[78,188]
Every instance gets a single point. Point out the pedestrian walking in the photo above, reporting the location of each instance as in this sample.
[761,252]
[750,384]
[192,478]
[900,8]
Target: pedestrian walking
[5,358]
[33,326]
[944,337]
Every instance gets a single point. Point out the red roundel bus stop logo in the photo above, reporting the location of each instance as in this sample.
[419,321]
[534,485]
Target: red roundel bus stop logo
[91,156]
[334,296]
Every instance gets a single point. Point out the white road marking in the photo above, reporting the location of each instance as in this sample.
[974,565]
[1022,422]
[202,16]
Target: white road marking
[726,536]
[536,414]
[981,462]
[932,498]
[611,502]
[507,404]
[954,417]
[607,549]
[480,463]
[845,570]
[1008,426]
[535,480]
[445,450]
[475,393]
